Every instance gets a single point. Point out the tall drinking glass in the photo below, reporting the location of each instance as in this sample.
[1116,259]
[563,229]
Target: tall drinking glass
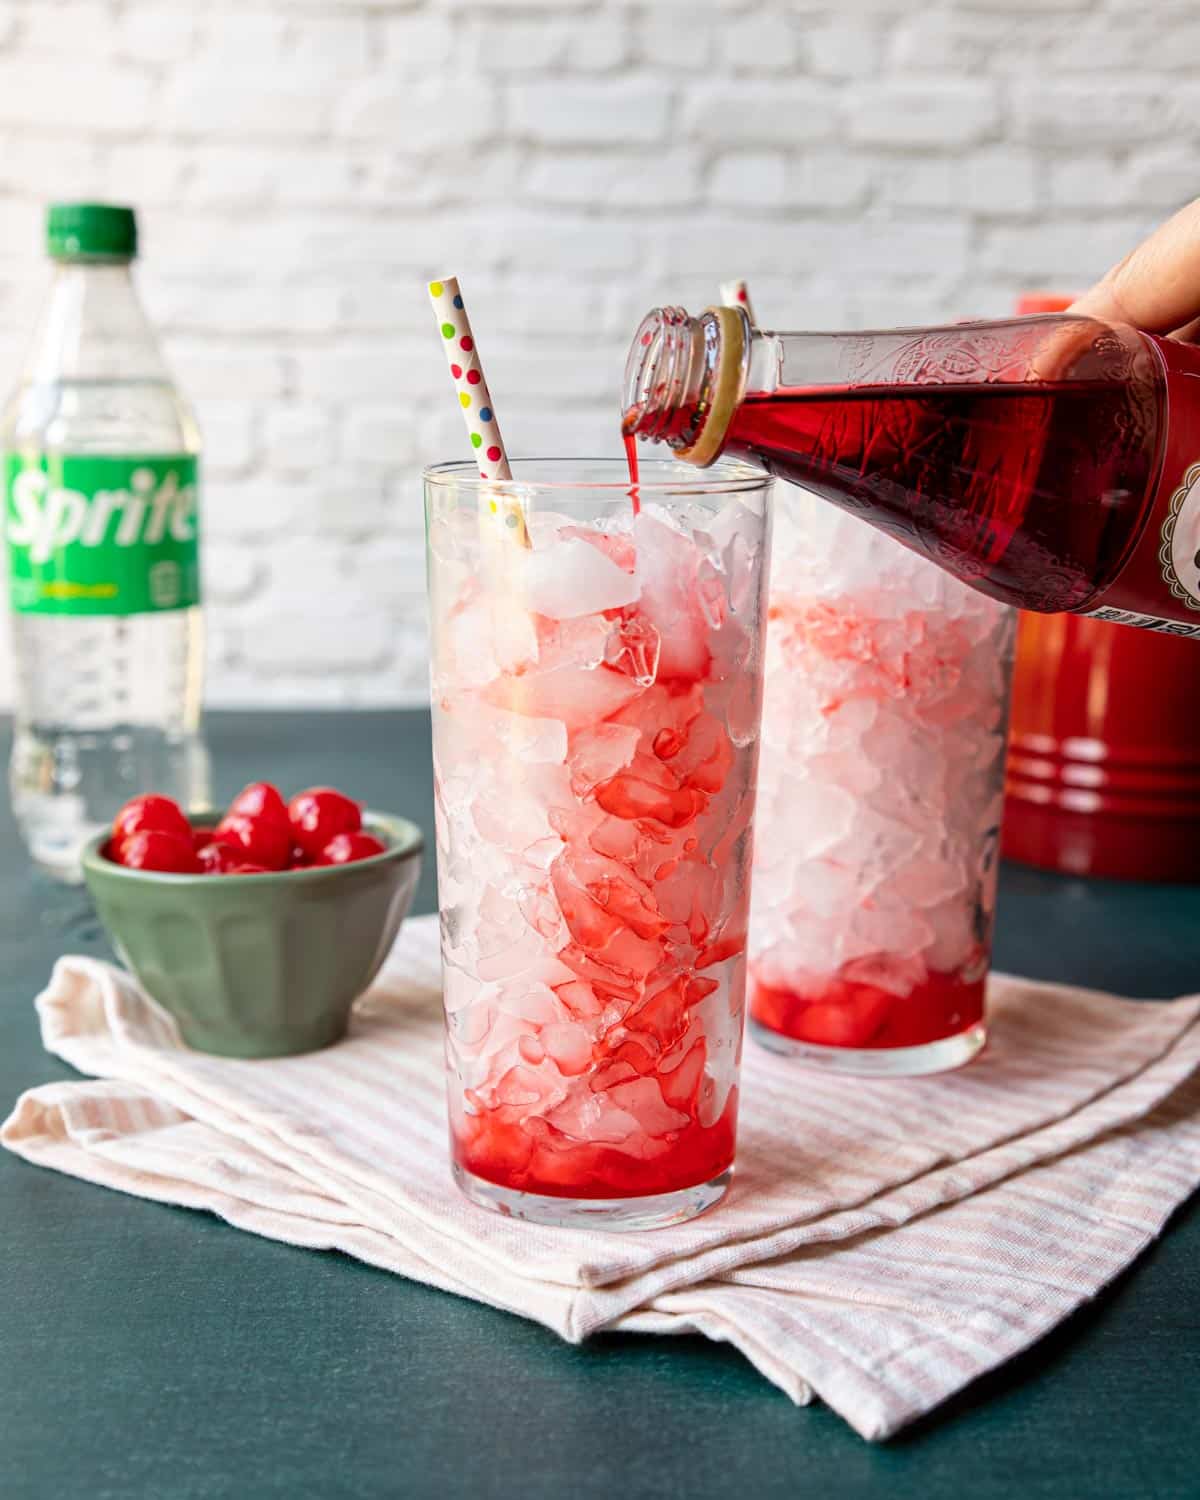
[597,675]
[880,796]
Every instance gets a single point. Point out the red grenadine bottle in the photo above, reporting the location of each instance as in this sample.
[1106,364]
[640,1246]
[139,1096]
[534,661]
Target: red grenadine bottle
[1051,462]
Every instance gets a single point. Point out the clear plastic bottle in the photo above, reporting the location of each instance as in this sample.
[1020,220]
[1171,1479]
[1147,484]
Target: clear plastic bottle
[101,470]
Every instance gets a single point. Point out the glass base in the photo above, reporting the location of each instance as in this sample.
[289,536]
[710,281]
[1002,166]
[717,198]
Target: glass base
[879,1062]
[70,872]
[60,858]
[653,1212]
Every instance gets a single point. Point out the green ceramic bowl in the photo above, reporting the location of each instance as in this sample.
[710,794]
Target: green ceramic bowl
[259,965]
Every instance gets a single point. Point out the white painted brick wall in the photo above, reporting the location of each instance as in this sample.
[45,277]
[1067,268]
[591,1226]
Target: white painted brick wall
[303,166]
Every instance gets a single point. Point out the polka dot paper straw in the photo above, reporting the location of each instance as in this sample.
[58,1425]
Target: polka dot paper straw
[473,396]
[736,294]
[475,399]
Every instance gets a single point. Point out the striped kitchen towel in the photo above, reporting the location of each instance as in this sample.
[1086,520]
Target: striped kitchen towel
[884,1242]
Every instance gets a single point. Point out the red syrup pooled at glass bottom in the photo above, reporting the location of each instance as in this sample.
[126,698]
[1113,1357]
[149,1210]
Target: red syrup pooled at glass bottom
[1050,462]
[849,1012]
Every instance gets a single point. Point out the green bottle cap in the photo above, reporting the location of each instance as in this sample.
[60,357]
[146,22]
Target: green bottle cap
[90,231]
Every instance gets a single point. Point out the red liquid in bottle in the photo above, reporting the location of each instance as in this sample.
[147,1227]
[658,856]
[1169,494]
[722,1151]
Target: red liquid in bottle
[1052,462]
[1033,494]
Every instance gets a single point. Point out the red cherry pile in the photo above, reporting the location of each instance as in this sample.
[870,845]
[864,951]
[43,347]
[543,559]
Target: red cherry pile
[259,833]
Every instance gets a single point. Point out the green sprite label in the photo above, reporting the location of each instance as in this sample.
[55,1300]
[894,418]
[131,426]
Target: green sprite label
[101,536]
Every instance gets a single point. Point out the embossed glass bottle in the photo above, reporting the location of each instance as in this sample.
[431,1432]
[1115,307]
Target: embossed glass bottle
[1050,462]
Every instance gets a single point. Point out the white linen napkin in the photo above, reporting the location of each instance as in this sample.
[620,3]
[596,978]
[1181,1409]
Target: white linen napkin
[884,1241]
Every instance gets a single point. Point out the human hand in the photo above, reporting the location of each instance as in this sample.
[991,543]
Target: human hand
[1157,286]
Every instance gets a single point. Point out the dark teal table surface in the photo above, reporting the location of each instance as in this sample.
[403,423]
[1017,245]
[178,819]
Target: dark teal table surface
[151,1351]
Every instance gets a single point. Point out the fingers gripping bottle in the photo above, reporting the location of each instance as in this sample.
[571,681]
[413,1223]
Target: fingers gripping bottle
[101,457]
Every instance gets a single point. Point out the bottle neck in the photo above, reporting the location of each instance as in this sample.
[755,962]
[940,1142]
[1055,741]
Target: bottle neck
[92,327]
[685,376]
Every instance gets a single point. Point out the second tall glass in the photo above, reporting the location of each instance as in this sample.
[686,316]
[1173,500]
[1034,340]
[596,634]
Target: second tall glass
[880,797]
[597,673]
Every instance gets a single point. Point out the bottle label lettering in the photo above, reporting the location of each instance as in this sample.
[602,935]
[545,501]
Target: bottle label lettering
[1147,622]
[101,535]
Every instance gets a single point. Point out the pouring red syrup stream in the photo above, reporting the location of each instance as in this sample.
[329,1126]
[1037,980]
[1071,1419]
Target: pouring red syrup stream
[631,458]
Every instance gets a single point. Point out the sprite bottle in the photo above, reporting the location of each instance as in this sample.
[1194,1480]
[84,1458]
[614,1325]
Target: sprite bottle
[101,468]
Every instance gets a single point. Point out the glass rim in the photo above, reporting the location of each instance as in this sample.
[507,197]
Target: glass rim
[726,476]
